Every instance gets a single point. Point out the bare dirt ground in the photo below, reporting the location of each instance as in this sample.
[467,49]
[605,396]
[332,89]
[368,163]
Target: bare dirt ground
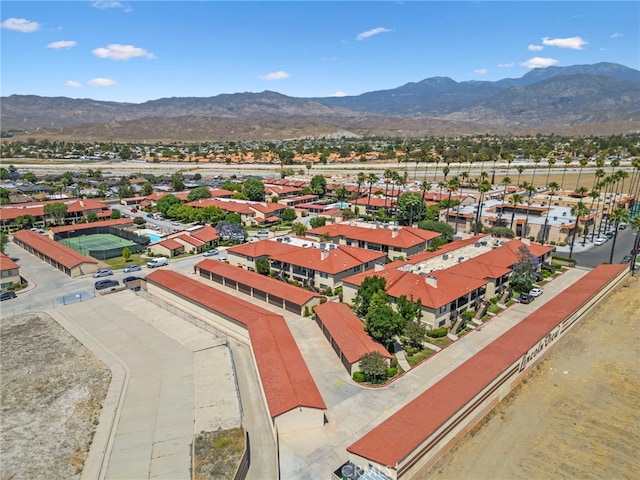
[576,416]
[51,397]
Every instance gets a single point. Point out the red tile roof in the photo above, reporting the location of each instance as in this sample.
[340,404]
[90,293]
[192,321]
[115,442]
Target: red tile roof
[54,250]
[337,260]
[6,263]
[185,237]
[398,437]
[347,330]
[285,377]
[170,243]
[227,206]
[290,293]
[206,234]
[74,205]
[263,248]
[446,248]
[83,226]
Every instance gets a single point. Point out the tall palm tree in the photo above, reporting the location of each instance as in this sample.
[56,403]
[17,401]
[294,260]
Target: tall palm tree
[553,187]
[371,178]
[388,176]
[520,169]
[550,163]
[606,183]
[567,161]
[536,161]
[514,200]
[360,179]
[593,194]
[583,163]
[618,216]
[483,188]
[452,186]
[506,181]
[578,210]
[530,189]
[424,188]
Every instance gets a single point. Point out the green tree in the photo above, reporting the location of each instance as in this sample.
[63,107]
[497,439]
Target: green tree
[126,254]
[232,186]
[30,177]
[317,222]
[177,182]
[115,214]
[57,210]
[382,322]
[288,215]
[198,193]
[254,189]
[92,217]
[618,216]
[263,267]
[318,184]
[233,217]
[409,209]
[299,229]
[147,189]
[408,309]
[415,333]
[25,221]
[4,239]
[445,229]
[4,196]
[166,202]
[367,288]
[373,366]
[523,274]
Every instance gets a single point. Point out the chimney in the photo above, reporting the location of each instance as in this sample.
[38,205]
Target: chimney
[431,280]
[324,253]
[394,232]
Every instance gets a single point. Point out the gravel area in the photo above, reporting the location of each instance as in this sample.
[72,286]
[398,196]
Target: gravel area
[51,397]
[575,416]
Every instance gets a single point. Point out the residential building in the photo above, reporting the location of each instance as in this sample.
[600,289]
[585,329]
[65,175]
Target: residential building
[9,273]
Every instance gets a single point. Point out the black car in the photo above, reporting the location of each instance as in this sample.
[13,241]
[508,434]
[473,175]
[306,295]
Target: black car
[626,259]
[126,280]
[102,284]
[525,298]
[8,295]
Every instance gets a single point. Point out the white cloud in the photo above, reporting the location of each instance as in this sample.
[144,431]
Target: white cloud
[102,82]
[62,44]
[72,84]
[20,25]
[279,75]
[337,94]
[480,71]
[539,62]
[102,5]
[371,33]
[616,35]
[575,43]
[535,48]
[115,51]
[506,65]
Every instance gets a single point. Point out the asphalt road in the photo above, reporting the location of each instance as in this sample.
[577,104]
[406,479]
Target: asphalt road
[601,254]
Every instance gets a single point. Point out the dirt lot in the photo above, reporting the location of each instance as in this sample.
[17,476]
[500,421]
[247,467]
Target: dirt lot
[576,416]
[52,394]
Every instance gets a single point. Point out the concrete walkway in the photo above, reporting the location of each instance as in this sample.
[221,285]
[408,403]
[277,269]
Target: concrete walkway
[400,355]
[162,390]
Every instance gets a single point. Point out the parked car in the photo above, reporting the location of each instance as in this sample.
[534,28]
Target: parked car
[157,262]
[175,224]
[149,215]
[102,284]
[134,210]
[8,295]
[600,241]
[622,226]
[103,273]
[525,298]
[126,280]
[626,259]
[535,292]
[210,253]
[132,268]
[609,234]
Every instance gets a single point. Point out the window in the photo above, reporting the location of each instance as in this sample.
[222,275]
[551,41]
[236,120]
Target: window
[442,309]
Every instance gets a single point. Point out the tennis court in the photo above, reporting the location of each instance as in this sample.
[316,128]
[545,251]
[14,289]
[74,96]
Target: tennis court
[99,242]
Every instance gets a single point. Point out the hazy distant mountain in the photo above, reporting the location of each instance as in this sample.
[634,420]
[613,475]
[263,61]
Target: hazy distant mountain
[601,97]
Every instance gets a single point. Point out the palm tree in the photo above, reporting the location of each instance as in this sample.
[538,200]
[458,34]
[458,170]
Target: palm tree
[593,194]
[635,225]
[514,200]
[553,187]
[372,178]
[424,187]
[445,171]
[530,189]
[360,179]
[506,181]
[578,210]
[520,169]
[618,216]
[483,188]
[583,163]
[536,161]
[388,176]
[452,186]
[550,163]
[567,162]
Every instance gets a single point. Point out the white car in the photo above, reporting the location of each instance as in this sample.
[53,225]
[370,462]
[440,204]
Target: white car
[600,241]
[103,273]
[535,292]
[210,253]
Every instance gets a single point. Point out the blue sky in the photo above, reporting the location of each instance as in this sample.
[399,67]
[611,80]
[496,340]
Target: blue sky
[134,51]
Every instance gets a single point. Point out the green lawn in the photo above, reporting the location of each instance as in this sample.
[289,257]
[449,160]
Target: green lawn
[420,356]
[118,263]
[439,342]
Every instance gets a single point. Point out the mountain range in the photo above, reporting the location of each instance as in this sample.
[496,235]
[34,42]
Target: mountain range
[603,98]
